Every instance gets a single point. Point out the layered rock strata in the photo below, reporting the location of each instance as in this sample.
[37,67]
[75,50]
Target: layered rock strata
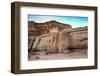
[56,37]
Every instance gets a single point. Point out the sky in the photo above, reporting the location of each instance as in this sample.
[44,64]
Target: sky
[74,21]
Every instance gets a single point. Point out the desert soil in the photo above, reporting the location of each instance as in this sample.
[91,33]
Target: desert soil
[76,54]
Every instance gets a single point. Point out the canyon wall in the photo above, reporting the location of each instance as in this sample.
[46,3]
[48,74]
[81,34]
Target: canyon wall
[56,37]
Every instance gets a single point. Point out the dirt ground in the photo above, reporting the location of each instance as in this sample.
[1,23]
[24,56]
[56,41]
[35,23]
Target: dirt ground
[74,54]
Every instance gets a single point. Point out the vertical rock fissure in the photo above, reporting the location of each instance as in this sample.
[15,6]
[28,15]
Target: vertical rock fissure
[32,44]
[69,40]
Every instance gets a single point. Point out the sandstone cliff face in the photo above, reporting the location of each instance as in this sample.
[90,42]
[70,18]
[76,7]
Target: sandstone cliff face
[37,29]
[78,38]
[56,37]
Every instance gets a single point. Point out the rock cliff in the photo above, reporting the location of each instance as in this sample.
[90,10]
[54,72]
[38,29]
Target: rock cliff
[56,37]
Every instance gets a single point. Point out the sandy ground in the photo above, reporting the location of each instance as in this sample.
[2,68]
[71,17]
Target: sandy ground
[69,55]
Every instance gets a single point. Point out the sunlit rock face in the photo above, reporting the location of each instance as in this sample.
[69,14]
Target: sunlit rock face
[78,38]
[57,37]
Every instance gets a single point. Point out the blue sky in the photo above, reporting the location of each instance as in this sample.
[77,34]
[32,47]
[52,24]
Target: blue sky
[74,21]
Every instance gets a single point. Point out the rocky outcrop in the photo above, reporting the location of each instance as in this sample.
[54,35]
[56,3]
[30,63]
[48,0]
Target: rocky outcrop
[56,37]
[37,29]
[78,38]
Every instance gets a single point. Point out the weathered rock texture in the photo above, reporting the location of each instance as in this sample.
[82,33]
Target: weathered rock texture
[55,37]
